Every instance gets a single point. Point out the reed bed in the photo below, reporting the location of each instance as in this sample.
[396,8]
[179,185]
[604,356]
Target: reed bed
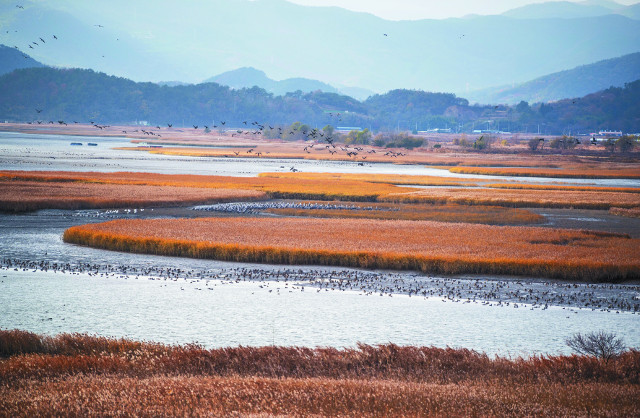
[275,187]
[432,247]
[597,173]
[525,197]
[491,215]
[23,196]
[362,188]
[561,187]
[86,375]
[629,213]
[400,179]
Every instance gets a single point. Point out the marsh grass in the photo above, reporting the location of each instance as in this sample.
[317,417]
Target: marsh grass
[87,375]
[432,247]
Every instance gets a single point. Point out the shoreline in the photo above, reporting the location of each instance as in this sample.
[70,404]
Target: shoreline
[504,291]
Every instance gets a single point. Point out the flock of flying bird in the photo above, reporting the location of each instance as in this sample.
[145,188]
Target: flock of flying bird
[32,43]
[258,128]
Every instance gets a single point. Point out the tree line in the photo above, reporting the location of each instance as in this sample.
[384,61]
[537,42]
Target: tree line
[84,95]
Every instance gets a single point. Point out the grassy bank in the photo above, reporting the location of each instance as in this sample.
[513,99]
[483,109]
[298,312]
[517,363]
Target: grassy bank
[85,375]
[431,247]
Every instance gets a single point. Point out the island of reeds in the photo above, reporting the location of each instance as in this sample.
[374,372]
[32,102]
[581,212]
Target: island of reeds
[430,247]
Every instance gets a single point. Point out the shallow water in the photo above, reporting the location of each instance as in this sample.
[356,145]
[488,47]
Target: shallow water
[118,299]
[99,297]
[53,152]
[219,315]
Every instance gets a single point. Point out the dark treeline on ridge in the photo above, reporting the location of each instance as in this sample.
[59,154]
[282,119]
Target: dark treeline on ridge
[84,95]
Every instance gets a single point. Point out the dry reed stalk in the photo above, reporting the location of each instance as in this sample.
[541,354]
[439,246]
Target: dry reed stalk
[630,212]
[346,187]
[616,173]
[525,197]
[256,396]
[561,187]
[432,247]
[492,215]
[21,196]
[86,375]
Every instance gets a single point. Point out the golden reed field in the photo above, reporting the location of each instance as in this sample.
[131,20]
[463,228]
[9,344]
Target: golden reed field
[492,215]
[85,375]
[22,196]
[322,186]
[433,247]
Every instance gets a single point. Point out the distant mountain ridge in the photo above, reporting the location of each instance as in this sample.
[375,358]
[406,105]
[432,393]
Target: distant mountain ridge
[155,41]
[13,59]
[246,77]
[573,10]
[576,82]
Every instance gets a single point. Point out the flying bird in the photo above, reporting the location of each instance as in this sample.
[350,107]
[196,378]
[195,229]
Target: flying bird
[169,125]
[42,40]
[55,37]
[100,26]
[38,110]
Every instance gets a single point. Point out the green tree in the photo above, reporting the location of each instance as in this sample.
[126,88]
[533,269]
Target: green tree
[523,107]
[626,143]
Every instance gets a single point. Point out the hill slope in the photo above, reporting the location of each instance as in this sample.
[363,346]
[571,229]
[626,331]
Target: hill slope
[247,77]
[576,82]
[13,59]
[191,39]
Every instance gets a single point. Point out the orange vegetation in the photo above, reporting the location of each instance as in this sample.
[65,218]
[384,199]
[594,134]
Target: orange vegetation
[630,213]
[612,172]
[401,179]
[494,215]
[84,375]
[20,196]
[276,187]
[325,186]
[378,244]
[561,187]
[519,197]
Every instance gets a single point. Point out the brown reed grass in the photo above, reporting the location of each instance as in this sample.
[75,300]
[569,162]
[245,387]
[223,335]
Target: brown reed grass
[85,375]
[617,173]
[325,186]
[630,212]
[491,215]
[426,246]
[524,197]
[22,196]
[31,355]
[561,187]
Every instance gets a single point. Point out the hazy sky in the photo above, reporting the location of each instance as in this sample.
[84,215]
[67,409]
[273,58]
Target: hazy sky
[427,9]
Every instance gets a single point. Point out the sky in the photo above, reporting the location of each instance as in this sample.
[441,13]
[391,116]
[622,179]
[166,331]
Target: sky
[427,9]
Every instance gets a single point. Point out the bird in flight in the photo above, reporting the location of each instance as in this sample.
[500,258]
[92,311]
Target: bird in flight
[38,110]
[385,34]
[19,6]
[55,37]
[169,125]
[100,26]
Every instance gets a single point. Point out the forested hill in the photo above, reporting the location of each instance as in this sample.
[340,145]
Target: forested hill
[84,95]
[576,82]
[13,59]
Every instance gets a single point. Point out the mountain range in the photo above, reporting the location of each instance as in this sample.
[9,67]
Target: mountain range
[50,95]
[190,40]
[576,82]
